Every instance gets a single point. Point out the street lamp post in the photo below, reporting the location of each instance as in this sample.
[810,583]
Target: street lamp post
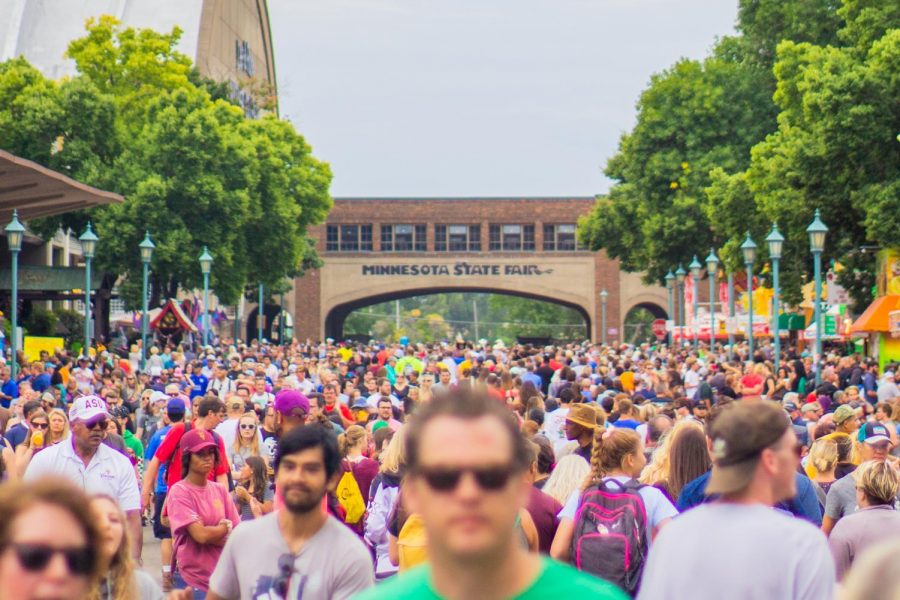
[680,274]
[15,231]
[88,244]
[206,260]
[695,267]
[817,231]
[749,250]
[670,283]
[260,315]
[731,314]
[604,296]
[281,321]
[146,247]
[712,269]
[775,241]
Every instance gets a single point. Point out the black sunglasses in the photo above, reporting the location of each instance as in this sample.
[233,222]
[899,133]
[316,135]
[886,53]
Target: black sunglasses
[103,423]
[40,425]
[446,480]
[248,426]
[283,581]
[36,557]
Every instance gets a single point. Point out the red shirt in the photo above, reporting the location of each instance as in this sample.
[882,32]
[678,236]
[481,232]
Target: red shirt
[171,448]
[345,412]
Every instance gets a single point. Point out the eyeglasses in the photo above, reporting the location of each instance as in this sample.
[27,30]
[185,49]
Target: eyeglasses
[489,479]
[40,425]
[36,557]
[286,569]
[248,426]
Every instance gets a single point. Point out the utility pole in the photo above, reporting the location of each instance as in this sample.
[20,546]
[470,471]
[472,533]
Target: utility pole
[475,317]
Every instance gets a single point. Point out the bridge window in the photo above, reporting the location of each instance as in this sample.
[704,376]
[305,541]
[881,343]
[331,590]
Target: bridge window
[511,238]
[559,237]
[457,238]
[403,238]
[348,238]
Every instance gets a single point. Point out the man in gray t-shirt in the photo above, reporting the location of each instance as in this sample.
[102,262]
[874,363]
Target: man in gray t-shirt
[333,563]
[298,551]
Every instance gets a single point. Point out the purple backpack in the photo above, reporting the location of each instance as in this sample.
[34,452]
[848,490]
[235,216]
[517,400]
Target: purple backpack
[610,537]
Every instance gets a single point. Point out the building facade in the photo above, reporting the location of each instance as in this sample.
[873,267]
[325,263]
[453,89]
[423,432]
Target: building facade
[381,249]
[228,40]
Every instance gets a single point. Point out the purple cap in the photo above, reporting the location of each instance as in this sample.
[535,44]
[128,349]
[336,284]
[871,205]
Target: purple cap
[287,402]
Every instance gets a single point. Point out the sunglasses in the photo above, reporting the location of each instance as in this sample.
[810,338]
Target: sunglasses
[283,581]
[40,425]
[490,479]
[102,424]
[36,557]
[248,426]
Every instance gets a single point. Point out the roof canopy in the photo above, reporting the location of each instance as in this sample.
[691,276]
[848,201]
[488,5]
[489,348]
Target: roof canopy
[37,191]
[172,318]
[876,316]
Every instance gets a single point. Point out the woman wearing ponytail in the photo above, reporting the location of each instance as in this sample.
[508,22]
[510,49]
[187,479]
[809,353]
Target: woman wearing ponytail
[618,456]
[352,443]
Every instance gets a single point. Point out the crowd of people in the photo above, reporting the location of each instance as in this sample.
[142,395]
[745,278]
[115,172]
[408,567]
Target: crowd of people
[450,470]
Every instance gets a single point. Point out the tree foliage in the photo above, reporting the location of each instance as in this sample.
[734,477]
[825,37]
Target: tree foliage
[139,120]
[820,132]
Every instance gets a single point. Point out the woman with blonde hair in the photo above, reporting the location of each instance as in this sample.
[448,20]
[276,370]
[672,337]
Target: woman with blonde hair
[246,444]
[59,426]
[568,475]
[383,499]
[121,580]
[37,438]
[876,519]
[823,458]
[352,444]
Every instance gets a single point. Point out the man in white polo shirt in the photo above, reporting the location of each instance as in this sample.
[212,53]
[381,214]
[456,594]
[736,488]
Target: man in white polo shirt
[91,465]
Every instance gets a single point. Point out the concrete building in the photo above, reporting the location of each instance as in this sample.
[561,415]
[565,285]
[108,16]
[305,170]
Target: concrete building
[381,249]
[228,40]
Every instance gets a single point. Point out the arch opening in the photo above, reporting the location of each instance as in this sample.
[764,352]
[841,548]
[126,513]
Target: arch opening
[448,312]
[637,325]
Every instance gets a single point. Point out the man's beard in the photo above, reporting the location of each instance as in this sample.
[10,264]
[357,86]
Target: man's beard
[307,503]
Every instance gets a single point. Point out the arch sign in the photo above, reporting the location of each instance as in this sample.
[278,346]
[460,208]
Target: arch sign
[379,249]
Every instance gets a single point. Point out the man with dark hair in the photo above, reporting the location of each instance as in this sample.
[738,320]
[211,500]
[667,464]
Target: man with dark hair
[466,462]
[18,432]
[210,412]
[755,451]
[298,550]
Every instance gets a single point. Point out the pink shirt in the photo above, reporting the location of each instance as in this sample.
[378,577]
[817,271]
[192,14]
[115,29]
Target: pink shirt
[187,503]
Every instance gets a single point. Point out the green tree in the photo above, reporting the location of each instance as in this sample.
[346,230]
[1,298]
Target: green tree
[693,118]
[139,120]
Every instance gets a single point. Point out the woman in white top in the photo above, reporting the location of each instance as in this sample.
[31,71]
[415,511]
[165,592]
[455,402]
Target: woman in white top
[618,454]
[246,444]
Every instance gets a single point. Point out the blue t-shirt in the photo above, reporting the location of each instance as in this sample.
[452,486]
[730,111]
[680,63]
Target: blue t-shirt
[200,382]
[804,505]
[155,442]
[10,389]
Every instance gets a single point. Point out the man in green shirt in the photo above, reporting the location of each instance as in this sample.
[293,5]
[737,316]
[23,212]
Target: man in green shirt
[466,463]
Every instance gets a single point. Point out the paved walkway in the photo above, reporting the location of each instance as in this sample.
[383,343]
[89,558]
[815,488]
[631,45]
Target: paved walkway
[150,554]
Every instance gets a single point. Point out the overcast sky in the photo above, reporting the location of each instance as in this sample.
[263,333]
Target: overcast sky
[477,97]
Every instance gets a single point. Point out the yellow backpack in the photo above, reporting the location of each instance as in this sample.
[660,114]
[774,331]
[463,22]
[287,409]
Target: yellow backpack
[351,498]
[412,543]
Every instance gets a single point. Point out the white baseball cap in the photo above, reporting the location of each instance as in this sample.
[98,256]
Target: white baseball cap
[87,408]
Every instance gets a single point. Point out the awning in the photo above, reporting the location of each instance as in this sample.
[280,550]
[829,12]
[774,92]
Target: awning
[37,191]
[876,317]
